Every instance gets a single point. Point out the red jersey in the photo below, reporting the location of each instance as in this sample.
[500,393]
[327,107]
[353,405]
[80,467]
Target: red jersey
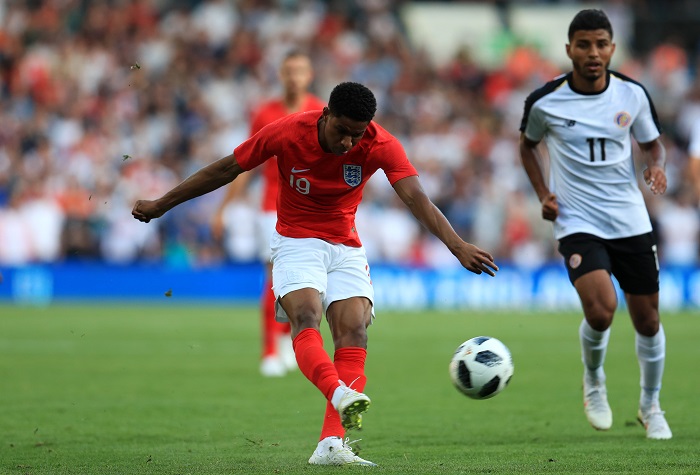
[267,113]
[319,191]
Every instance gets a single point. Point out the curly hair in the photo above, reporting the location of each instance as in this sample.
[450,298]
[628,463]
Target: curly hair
[591,19]
[352,100]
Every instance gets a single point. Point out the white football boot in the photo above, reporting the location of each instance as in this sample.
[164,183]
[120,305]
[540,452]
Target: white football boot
[655,423]
[350,405]
[272,367]
[595,405]
[336,451]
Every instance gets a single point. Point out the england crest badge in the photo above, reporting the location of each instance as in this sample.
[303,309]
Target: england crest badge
[352,174]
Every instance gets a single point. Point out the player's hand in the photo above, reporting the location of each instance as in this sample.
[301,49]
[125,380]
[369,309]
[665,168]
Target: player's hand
[476,260]
[655,177]
[146,210]
[550,207]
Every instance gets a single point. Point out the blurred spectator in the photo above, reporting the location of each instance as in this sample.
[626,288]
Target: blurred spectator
[99,100]
[15,234]
[78,239]
[679,229]
[30,227]
[689,128]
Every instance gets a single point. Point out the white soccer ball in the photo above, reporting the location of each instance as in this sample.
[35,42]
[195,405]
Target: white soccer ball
[481,367]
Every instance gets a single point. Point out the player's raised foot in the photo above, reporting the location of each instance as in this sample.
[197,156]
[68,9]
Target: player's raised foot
[595,405]
[353,422]
[350,406]
[655,423]
[272,367]
[336,451]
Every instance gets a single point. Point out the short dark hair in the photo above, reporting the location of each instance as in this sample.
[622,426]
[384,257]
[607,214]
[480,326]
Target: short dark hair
[294,53]
[591,19]
[352,100]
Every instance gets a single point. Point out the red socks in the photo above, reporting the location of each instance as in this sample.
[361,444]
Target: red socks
[350,363]
[316,365]
[271,328]
[314,362]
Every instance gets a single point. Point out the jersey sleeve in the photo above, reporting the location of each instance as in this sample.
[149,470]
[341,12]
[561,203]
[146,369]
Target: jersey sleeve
[260,147]
[533,124]
[646,126]
[395,162]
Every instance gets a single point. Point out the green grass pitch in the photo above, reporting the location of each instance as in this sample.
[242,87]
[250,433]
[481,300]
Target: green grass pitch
[175,389]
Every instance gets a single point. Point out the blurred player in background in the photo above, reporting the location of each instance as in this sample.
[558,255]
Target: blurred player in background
[694,158]
[587,118]
[295,75]
[324,160]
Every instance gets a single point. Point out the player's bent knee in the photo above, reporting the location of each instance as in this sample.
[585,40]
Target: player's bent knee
[648,327]
[599,317]
[303,319]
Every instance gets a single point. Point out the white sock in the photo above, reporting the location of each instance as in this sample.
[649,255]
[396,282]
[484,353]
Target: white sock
[594,344]
[651,353]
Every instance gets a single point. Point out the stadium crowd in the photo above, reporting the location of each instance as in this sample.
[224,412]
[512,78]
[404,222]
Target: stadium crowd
[102,102]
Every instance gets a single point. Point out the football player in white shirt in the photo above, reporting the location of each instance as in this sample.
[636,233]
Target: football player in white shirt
[586,119]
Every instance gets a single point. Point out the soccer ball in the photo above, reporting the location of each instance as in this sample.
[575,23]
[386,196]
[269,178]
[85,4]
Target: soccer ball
[481,367]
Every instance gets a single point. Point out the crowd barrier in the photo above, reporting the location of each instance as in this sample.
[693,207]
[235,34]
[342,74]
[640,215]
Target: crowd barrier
[396,287]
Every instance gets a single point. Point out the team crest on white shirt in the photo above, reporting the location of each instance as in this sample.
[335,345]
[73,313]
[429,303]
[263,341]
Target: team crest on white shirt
[623,119]
[352,174]
[575,260]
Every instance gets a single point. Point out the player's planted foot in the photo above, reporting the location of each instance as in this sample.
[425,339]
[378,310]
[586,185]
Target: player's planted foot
[336,451]
[351,404]
[595,405]
[272,367]
[655,423]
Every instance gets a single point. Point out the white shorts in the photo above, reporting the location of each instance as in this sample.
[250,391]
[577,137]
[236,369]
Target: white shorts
[265,226]
[337,271]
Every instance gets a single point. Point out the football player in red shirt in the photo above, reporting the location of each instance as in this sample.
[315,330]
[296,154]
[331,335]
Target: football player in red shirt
[324,159]
[295,75]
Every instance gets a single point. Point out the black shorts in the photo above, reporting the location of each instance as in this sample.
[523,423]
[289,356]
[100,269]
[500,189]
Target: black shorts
[633,261]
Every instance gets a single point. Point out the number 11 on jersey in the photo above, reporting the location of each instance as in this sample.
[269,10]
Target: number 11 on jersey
[591,147]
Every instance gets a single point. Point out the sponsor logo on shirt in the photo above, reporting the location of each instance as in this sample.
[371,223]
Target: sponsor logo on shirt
[623,119]
[569,123]
[352,174]
[294,170]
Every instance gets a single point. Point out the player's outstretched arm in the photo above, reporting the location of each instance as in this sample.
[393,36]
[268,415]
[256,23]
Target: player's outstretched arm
[471,257]
[203,181]
[531,160]
[654,155]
